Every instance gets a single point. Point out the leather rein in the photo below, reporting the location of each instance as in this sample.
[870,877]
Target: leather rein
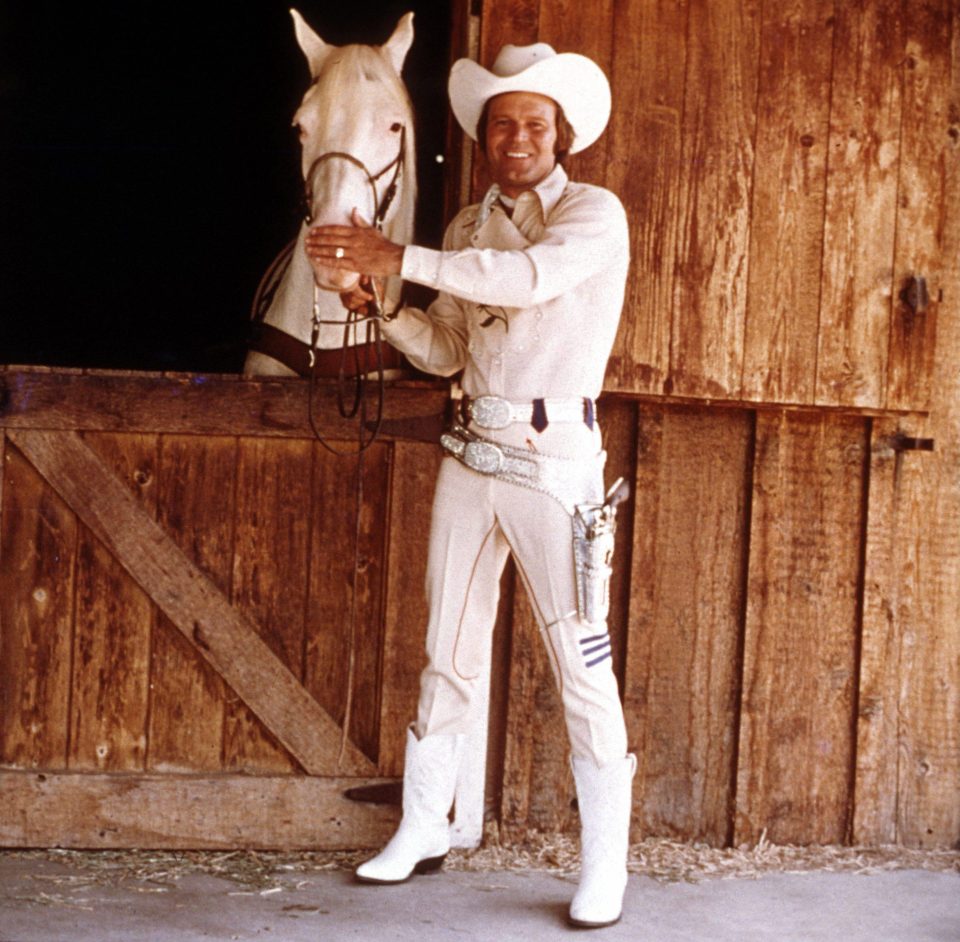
[366,432]
[354,361]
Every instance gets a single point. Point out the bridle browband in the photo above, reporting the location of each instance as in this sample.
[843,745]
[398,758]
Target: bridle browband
[353,320]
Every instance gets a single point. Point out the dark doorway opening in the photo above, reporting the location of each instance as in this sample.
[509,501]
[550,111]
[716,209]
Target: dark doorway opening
[149,172]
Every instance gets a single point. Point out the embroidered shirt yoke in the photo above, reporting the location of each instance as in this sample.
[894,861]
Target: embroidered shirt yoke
[528,306]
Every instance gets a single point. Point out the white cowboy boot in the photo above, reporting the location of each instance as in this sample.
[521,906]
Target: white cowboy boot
[604,797]
[423,838]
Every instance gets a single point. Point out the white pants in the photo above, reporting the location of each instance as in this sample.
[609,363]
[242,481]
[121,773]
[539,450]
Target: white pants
[477,522]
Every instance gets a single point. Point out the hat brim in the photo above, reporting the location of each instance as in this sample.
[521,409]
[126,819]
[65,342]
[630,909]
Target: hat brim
[575,82]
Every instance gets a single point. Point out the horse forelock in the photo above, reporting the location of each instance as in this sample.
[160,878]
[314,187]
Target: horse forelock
[348,64]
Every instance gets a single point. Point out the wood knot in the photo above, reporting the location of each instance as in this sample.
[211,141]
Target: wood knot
[198,639]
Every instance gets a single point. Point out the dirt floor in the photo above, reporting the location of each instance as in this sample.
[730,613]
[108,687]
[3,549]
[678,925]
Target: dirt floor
[676,892]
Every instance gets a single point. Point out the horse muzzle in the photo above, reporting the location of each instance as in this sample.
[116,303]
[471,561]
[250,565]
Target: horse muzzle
[335,279]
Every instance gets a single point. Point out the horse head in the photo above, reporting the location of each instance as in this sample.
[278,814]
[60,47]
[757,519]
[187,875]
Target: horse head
[357,137]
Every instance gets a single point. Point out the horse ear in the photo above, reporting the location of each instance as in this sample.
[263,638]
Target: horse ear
[314,48]
[398,45]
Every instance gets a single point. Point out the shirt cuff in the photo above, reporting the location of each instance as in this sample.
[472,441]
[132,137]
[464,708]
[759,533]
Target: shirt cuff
[421,265]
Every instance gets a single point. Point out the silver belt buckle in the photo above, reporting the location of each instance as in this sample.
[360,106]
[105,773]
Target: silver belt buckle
[482,457]
[491,412]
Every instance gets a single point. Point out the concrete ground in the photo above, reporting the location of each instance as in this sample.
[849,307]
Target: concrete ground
[47,901]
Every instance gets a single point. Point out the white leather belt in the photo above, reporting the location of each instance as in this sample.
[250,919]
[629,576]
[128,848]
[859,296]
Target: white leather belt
[494,412]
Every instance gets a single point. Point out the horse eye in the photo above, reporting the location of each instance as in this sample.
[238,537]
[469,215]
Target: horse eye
[396,126]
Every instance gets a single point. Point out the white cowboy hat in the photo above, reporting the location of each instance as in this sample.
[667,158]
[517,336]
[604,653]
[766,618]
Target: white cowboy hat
[575,82]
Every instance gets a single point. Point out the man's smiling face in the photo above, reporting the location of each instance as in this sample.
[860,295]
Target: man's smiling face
[521,140]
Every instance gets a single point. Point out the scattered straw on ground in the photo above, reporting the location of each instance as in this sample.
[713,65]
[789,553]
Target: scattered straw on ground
[264,873]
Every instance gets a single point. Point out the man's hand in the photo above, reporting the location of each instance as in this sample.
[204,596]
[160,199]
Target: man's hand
[358,298]
[359,247]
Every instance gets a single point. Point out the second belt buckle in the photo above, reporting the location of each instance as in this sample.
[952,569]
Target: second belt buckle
[491,412]
[483,457]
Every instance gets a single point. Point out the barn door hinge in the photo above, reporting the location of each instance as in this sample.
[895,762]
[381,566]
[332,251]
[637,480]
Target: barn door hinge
[382,793]
[901,442]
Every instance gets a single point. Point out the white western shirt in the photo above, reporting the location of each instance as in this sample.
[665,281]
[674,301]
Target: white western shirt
[529,306]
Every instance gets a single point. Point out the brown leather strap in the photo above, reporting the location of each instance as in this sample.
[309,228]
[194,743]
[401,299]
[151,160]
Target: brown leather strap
[295,354]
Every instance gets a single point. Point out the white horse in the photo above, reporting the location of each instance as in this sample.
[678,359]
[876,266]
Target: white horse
[357,141]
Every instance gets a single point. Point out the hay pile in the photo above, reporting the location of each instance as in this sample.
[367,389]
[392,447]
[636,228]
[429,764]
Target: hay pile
[672,861]
[263,873]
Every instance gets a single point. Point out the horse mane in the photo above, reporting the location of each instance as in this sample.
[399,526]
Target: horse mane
[369,64]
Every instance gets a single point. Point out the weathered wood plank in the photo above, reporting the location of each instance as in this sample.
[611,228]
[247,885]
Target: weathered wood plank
[647,79]
[113,627]
[585,28]
[618,421]
[227,639]
[195,486]
[347,574]
[180,812]
[507,21]
[405,609]
[928,813]
[928,787]
[193,405]
[858,243]
[787,216]
[458,155]
[891,615]
[926,153]
[142,402]
[273,509]
[38,543]
[681,685]
[796,752]
[928,780]
[714,195]
[638,656]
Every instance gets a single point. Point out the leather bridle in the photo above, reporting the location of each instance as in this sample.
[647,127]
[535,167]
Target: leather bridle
[357,403]
[383,205]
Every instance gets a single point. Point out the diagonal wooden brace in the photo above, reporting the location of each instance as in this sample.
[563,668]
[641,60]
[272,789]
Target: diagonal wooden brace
[221,634]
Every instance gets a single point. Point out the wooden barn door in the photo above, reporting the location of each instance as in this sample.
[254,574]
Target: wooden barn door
[789,172]
[785,169]
[187,622]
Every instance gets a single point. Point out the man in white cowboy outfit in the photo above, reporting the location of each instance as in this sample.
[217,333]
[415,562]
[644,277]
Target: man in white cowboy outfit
[531,284]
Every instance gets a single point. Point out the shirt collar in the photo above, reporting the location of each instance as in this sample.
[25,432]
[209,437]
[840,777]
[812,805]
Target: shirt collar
[548,190]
